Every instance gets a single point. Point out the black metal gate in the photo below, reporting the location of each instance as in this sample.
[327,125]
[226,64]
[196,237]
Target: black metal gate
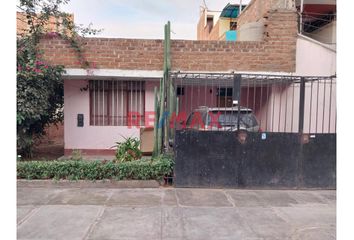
[295,148]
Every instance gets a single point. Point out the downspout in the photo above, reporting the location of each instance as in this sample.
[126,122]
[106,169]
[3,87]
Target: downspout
[301,11]
[240,8]
[155,151]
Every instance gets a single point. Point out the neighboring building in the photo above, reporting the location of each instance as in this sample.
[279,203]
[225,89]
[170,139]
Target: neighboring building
[316,41]
[98,101]
[219,25]
[207,21]
[316,29]
[318,20]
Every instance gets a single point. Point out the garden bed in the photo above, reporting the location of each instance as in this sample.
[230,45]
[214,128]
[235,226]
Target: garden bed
[145,169]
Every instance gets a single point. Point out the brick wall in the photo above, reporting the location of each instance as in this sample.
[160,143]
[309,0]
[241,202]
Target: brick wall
[254,12]
[201,29]
[54,135]
[275,53]
[113,53]
[22,26]
[257,9]
[214,34]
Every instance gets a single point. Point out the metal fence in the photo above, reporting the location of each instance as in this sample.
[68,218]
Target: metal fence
[280,103]
[313,24]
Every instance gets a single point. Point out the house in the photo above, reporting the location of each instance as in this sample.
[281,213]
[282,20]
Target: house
[99,101]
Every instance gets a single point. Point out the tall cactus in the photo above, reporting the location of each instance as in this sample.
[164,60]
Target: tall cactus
[170,88]
[155,152]
[161,133]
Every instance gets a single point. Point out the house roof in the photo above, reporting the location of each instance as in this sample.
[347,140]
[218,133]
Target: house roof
[231,10]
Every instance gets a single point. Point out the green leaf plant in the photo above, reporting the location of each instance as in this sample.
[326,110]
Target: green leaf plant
[128,150]
[39,83]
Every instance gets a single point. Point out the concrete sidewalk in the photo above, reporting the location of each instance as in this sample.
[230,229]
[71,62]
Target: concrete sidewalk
[171,214]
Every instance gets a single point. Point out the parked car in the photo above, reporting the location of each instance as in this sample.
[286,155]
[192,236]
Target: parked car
[226,117]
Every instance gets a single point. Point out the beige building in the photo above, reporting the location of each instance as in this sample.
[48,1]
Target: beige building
[218,25]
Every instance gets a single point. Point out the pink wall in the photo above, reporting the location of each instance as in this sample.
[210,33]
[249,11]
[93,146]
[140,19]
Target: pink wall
[320,116]
[197,96]
[319,112]
[150,101]
[281,112]
[93,137]
[314,59]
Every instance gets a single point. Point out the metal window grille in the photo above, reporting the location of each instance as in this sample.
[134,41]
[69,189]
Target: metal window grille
[115,103]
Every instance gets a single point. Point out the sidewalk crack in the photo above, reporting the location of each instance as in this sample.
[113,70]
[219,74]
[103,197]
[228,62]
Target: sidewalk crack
[229,198]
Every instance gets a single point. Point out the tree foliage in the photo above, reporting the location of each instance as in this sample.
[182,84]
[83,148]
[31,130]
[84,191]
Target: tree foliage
[39,84]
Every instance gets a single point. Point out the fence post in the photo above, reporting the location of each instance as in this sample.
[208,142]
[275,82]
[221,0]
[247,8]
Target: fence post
[300,159]
[302,105]
[236,96]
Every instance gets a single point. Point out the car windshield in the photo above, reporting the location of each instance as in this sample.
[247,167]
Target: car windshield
[229,118]
[198,117]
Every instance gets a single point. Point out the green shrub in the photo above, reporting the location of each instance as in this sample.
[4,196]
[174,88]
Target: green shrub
[128,150]
[76,155]
[96,170]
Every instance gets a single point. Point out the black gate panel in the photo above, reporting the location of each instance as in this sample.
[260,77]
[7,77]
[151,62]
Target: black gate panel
[196,165]
[218,159]
[319,161]
[270,161]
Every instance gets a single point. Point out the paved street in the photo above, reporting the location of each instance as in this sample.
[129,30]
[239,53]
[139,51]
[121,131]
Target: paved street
[171,214]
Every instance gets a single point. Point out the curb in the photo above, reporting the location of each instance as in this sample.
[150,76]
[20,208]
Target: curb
[88,184]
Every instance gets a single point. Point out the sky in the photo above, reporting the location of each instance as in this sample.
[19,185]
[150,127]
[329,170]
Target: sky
[142,18]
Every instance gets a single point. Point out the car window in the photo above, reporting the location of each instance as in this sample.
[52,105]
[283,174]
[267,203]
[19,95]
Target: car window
[193,115]
[249,120]
[230,118]
[189,120]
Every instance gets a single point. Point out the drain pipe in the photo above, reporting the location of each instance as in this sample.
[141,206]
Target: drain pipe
[301,11]
[240,8]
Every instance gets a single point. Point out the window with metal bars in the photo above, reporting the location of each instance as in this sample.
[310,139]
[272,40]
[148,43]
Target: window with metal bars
[117,103]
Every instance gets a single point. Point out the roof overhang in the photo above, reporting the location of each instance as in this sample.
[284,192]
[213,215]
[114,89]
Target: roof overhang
[110,74]
[322,2]
[231,11]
